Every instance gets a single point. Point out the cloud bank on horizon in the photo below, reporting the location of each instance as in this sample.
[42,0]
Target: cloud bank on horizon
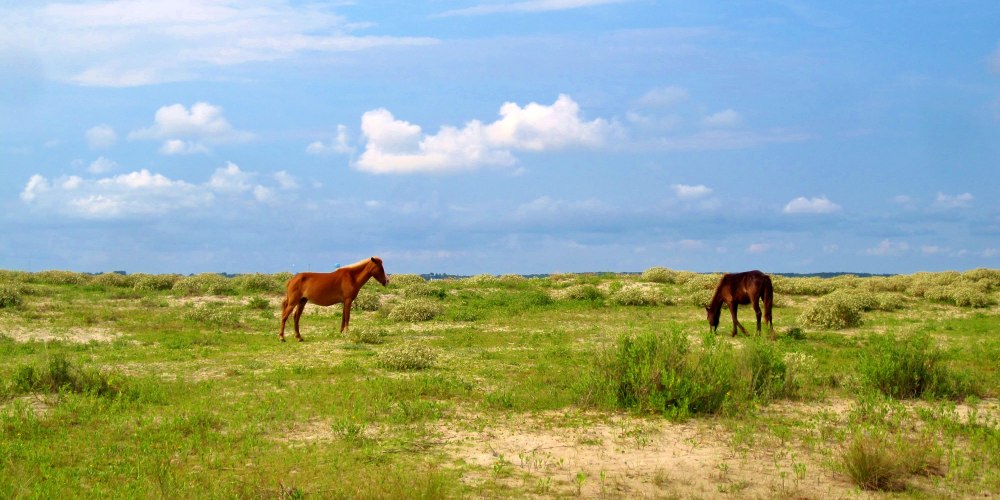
[452,141]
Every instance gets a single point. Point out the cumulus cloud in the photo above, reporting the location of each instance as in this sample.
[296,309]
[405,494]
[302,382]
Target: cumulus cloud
[142,42]
[340,144]
[686,192]
[947,202]
[397,146]
[186,131]
[101,137]
[887,248]
[101,165]
[803,205]
[138,193]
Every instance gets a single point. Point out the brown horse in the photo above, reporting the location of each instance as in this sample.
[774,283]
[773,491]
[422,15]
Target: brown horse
[327,289]
[742,288]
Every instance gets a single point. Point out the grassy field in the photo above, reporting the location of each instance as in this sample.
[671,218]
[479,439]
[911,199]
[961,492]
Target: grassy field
[591,385]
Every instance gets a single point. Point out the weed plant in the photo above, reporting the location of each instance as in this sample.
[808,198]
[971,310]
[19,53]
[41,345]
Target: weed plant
[911,367]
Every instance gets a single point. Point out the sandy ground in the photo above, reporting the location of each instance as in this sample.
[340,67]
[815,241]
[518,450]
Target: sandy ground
[628,457]
[78,335]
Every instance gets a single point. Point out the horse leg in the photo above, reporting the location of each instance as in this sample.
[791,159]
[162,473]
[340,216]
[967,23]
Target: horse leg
[736,323]
[756,310]
[286,310]
[346,321]
[298,314]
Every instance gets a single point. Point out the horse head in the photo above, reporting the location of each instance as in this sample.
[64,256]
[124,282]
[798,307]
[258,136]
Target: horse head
[379,271]
[713,318]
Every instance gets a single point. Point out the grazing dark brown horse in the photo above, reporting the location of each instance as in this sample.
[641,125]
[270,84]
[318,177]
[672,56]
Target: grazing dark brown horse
[327,289]
[742,288]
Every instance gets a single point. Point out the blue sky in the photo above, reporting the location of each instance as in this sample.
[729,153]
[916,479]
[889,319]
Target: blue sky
[471,137]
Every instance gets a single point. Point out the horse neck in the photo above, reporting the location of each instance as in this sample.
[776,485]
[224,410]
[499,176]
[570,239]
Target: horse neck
[716,303]
[360,276]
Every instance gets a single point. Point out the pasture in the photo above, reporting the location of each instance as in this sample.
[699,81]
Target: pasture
[593,385]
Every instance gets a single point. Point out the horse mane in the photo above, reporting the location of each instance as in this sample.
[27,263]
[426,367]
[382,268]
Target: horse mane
[359,264]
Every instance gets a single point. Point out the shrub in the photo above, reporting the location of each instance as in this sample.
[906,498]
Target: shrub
[414,310]
[59,278]
[659,275]
[989,277]
[482,280]
[62,375]
[424,290]
[367,300]
[637,295]
[258,283]
[834,311]
[662,373]
[700,298]
[366,335]
[802,286]
[155,282]
[10,295]
[205,284]
[213,313]
[962,295]
[910,368]
[259,303]
[114,280]
[408,357]
[702,282]
[581,292]
[872,465]
[763,366]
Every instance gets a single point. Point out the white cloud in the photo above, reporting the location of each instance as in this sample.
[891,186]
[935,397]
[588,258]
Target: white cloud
[723,119]
[904,201]
[397,146]
[686,192]
[803,205]
[140,193]
[887,248]
[933,250]
[285,180]
[187,131]
[527,6]
[340,144]
[101,137]
[141,42]
[101,165]
[946,202]
[663,97]
[758,247]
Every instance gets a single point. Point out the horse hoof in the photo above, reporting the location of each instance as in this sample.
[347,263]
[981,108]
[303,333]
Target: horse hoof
[281,339]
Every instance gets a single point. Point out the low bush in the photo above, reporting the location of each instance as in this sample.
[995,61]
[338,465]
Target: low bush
[407,357]
[637,295]
[108,280]
[962,295]
[155,282]
[367,335]
[59,278]
[258,283]
[581,292]
[659,275]
[872,465]
[11,294]
[62,375]
[205,284]
[665,373]
[802,286]
[367,300]
[414,310]
[835,311]
[911,367]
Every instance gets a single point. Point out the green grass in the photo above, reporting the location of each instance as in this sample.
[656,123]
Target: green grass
[183,390]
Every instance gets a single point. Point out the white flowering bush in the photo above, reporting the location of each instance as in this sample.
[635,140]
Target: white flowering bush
[835,311]
[408,357]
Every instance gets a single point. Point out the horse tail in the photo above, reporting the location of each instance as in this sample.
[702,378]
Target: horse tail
[768,295]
